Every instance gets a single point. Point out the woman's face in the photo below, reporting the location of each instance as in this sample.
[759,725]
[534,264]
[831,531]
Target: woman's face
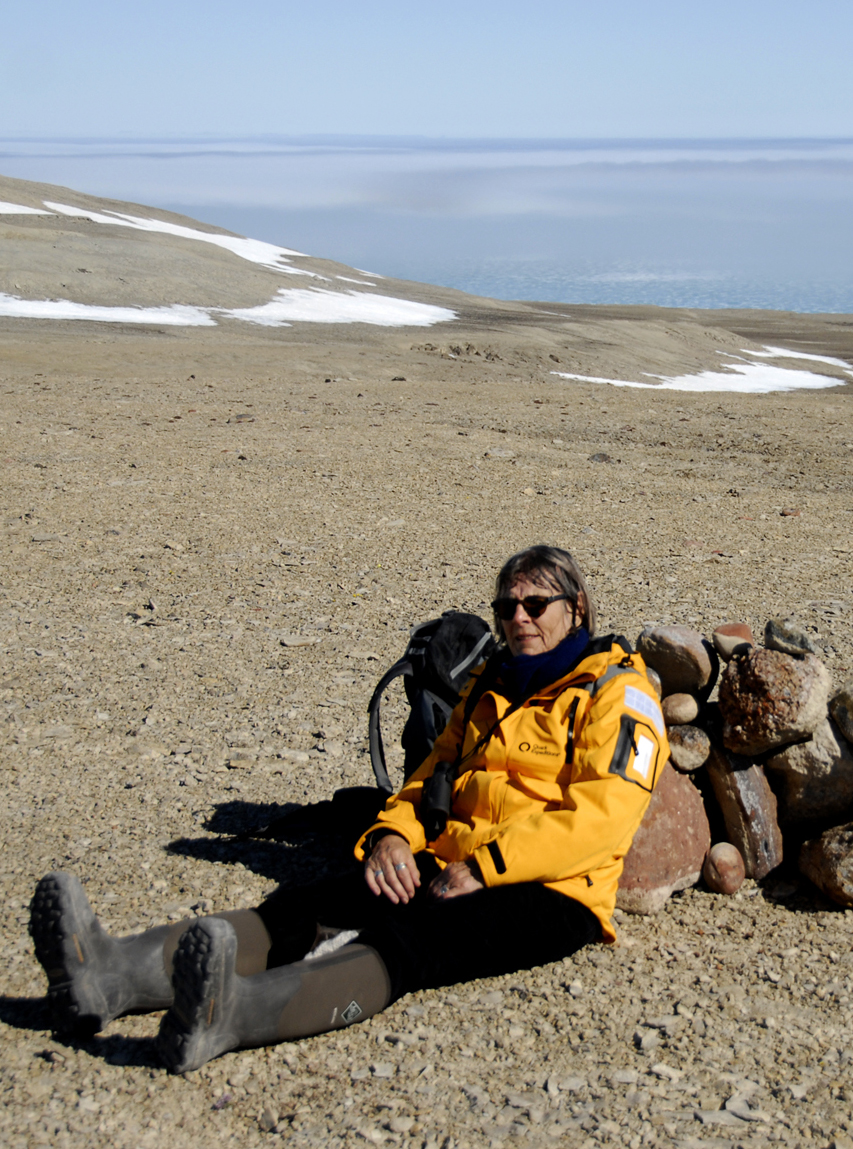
[526,635]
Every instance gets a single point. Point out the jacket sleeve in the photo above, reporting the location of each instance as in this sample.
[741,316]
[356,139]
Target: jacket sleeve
[620,751]
[400,815]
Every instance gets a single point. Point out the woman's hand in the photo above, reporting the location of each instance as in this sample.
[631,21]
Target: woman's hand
[391,870]
[455,879]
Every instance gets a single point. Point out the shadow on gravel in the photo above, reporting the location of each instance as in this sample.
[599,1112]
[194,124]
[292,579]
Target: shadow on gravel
[140,1052]
[287,843]
[24,1012]
[31,1013]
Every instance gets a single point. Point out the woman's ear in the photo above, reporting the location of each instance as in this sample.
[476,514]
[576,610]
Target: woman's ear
[579,610]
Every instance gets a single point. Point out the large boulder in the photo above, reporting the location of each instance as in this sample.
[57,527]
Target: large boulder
[841,709]
[768,699]
[668,849]
[814,780]
[684,660]
[828,862]
[748,806]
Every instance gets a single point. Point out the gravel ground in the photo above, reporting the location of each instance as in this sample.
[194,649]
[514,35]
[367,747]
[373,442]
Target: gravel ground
[214,545]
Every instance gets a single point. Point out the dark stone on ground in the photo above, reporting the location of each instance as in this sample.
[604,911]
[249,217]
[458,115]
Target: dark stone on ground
[784,635]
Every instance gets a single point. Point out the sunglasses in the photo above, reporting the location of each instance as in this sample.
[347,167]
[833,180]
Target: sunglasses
[534,605]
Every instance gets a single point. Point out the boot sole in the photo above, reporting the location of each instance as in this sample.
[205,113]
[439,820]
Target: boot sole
[197,1026]
[62,926]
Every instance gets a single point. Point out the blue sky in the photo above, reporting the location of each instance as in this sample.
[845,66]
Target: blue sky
[457,68]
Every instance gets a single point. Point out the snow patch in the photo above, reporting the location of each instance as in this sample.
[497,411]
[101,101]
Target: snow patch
[253,250]
[745,378]
[784,353]
[316,305]
[19,209]
[178,315]
[288,306]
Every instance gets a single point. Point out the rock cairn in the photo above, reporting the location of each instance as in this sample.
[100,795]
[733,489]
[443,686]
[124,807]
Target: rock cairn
[763,768]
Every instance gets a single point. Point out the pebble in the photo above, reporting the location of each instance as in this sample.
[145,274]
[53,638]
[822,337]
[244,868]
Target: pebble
[689,746]
[784,635]
[680,709]
[268,1120]
[680,655]
[724,869]
[768,699]
[731,638]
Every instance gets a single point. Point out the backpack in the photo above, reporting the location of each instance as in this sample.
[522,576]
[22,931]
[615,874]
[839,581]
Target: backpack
[436,665]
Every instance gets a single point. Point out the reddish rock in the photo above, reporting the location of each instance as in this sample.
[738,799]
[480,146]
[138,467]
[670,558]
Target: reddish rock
[724,870]
[814,780]
[828,862]
[684,660]
[841,709]
[768,699]
[689,748]
[668,849]
[679,709]
[732,638]
[748,806]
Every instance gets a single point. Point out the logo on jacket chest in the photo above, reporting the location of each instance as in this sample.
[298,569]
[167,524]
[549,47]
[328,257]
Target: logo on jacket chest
[538,748]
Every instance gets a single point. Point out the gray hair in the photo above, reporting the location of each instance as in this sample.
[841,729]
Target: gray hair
[551,567]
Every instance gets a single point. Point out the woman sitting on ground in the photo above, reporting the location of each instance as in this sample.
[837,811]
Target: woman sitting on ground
[550,759]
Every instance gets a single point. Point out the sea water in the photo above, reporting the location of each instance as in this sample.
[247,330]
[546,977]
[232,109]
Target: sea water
[684,223]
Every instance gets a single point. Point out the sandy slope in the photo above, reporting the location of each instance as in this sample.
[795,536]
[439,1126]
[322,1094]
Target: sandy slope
[177,502]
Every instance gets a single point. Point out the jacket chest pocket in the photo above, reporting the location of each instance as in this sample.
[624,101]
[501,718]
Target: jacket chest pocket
[536,745]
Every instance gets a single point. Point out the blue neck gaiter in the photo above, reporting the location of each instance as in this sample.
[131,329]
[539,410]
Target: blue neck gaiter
[522,675]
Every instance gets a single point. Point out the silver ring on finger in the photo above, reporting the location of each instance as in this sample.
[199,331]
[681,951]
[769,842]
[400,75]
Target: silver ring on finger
[443,890]
[400,866]
[377,873]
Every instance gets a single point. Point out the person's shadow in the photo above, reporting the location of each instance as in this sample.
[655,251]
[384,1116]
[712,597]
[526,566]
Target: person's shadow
[288,843]
[116,1049]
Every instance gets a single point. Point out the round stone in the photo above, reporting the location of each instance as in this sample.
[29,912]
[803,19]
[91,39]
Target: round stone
[680,709]
[724,869]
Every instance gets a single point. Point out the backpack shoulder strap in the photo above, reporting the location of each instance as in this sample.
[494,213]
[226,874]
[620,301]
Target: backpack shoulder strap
[374,734]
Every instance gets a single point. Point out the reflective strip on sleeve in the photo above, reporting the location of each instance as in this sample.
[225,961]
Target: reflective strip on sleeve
[637,700]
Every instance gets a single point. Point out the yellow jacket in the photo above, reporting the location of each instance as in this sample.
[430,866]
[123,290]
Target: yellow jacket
[557,793]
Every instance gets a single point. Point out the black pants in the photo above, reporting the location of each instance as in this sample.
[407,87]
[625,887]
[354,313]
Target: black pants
[428,943]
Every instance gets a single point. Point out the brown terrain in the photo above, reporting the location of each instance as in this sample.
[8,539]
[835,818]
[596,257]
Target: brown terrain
[215,540]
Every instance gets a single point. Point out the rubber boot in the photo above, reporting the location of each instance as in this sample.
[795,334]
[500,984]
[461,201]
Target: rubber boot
[92,977]
[216,1010]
